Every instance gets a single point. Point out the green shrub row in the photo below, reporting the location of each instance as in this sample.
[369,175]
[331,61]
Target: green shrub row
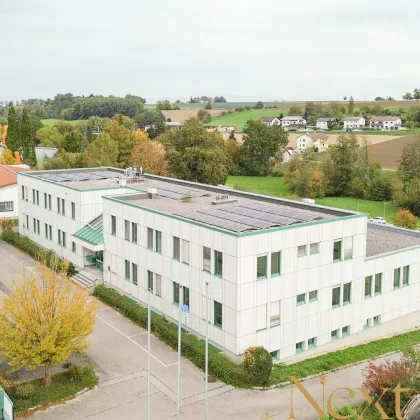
[191,347]
[30,247]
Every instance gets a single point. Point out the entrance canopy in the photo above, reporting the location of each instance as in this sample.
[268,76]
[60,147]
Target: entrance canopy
[91,235]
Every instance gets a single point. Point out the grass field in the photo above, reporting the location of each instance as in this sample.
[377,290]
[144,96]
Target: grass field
[276,187]
[50,122]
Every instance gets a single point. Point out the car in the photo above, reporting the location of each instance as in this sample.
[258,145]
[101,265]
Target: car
[378,219]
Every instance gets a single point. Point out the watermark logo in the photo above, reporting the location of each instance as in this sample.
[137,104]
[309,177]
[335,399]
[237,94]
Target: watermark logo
[350,393]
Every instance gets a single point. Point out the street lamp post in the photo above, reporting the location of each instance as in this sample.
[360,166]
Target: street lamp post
[178,407]
[207,352]
[148,352]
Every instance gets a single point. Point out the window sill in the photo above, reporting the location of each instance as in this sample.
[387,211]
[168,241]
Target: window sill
[127,278]
[346,303]
[314,253]
[300,303]
[158,252]
[378,293]
[313,346]
[301,256]
[337,261]
[113,234]
[135,284]
[275,325]
[134,242]
[396,287]
[334,338]
[274,275]
[405,285]
[313,300]
[368,297]
[299,351]
[218,326]
[348,258]
[262,329]
[218,275]
[183,262]
[175,259]
[365,327]
[175,304]
[336,306]
[206,271]
[376,324]
[261,278]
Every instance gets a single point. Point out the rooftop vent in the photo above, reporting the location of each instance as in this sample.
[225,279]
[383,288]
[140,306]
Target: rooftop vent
[152,192]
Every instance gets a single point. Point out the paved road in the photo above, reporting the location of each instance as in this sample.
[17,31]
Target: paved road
[119,352]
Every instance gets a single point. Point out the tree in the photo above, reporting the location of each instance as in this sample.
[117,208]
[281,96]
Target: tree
[73,142]
[44,321]
[295,110]
[13,131]
[148,117]
[157,129]
[219,99]
[175,106]
[49,137]
[233,151]
[202,114]
[27,142]
[163,105]
[351,105]
[410,161]
[208,105]
[416,94]
[258,105]
[408,96]
[3,133]
[7,158]
[194,154]
[124,139]
[103,151]
[345,98]
[310,108]
[151,156]
[379,98]
[89,131]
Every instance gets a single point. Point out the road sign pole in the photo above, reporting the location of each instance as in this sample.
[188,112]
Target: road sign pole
[148,352]
[207,350]
[178,408]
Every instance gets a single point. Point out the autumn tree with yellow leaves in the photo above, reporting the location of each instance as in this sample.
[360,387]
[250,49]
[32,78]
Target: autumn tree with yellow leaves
[45,320]
[7,158]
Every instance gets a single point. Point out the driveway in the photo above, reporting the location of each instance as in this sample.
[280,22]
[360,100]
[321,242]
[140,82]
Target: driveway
[118,352]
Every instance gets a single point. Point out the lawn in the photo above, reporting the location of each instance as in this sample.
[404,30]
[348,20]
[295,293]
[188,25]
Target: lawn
[52,121]
[277,187]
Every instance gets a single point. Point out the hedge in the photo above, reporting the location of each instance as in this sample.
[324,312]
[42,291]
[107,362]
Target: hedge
[192,348]
[31,248]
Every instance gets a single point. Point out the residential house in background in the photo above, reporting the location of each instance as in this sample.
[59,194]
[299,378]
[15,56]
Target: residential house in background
[386,122]
[325,123]
[225,128]
[9,189]
[318,140]
[293,122]
[270,120]
[174,125]
[354,122]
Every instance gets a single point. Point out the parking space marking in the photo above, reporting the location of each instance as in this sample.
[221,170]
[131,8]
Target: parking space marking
[136,335]
[136,344]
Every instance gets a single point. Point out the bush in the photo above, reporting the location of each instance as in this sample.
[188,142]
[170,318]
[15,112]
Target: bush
[41,254]
[75,372]
[258,363]
[7,224]
[25,390]
[404,218]
[276,172]
[191,347]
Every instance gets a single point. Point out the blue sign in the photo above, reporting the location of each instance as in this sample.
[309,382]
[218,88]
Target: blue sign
[185,308]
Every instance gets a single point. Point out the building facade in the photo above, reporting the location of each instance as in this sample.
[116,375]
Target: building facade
[9,190]
[388,122]
[354,122]
[293,122]
[270,121]
[318,140]
[263,271]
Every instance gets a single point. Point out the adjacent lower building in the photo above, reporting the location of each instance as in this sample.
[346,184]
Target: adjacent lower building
[259,270]
[9,190]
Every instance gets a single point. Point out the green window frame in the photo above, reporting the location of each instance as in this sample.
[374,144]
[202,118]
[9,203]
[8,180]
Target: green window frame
[23,192]
[33,196]
[176,254]
[134,273]
[73,247]
[126,230]
[302,251]
[175,293]
[334,335]
[158,244]
[376,320]
[133,232]
[335,297]
[73,210]
[275,264]
[149,281]
[218,314]
[337,251]
[27,222]
[45,201]
[274,355]
[378,284]
[149,238]
[301,299]
[37,225]
[397,278]
[113,225]
[311,343]
[37,197]
[368,287]
[46,230]
[314,248]
[186,296]
[262,267]
[50,228]
[218,263]
[63,237]
[59,236]
[313,296]
[346,293]
[345,331]
[406,276]
[63,207]
[34,224]
[127,270]
[206,259]
[58,206]
[299,347]
[366,325]
[49,201]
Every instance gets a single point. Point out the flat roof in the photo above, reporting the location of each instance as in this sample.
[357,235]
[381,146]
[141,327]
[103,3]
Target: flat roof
[382,239]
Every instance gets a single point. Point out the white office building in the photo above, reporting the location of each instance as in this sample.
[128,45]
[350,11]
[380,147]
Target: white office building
[286,275]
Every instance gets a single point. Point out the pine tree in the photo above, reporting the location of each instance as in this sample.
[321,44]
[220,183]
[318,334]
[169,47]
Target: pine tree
[13,131]
[27,143]
[89,131]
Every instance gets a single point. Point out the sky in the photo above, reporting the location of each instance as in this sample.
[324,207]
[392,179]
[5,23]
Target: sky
[244,50]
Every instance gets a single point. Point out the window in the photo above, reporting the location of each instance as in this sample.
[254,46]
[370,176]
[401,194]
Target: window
[49,201]
[348,248]
[126,230]
[274,355]
[33,196]
[345,331]
[368,286]
[397,278]
[334,335]
[158,241]
[134,232]
[23,192]
[300,299]
[46,230]
[261,317]
[378,284]
[149,238]
[37,198]
[275,263]
[63,236]
[113,225]
[158,284]
[314,248]
[27,221]
[218,263]
[346,293]
[366,325]
[302,251]
[127,270]
[336,296]
[175,287]
[63,207]
[59,236]
[6,206]
[406,275]
[177,248]
[311,343]
[274,313]
[34,225]
[186,296]
[73,210]
[50,228]
[376,320]
[299,347]
[185,251]
[262,267]
[218,314]
[206,259]
[45,201]
[134,273]
[337,251]
[150,281]
[313,295]
[58,205]
[73,247]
